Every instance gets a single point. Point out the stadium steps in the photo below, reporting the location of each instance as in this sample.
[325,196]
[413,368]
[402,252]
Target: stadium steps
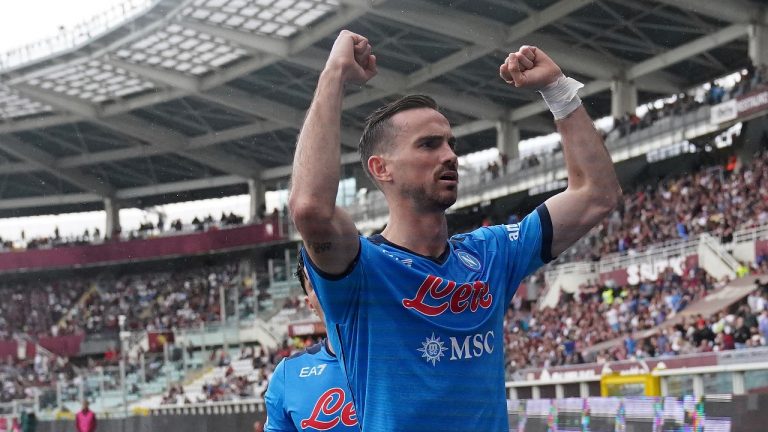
[715,259]
[566,278]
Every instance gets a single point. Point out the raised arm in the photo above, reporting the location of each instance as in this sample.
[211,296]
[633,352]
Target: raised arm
[593,188]
[329,233]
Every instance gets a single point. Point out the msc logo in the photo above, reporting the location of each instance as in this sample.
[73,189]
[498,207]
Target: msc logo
[432,349]
[513,231]
[311,371]
[472,346]
[469,261]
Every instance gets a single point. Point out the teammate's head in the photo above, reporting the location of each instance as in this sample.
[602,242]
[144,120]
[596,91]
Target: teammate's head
[306,285]
[407,148]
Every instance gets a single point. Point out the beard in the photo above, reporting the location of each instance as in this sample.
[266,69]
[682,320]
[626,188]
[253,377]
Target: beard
[430,201]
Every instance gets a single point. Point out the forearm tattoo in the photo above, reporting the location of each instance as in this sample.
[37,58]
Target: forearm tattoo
[320,247]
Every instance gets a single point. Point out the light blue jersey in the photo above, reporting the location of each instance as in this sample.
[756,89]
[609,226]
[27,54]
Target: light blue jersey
[308,392]
[421,339]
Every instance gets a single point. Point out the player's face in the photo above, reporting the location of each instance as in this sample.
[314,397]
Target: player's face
[424,163]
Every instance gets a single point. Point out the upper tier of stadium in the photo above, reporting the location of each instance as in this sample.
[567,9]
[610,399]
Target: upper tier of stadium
[186,99]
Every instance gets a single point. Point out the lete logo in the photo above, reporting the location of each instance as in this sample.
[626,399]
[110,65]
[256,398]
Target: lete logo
[331,403]
[472,295]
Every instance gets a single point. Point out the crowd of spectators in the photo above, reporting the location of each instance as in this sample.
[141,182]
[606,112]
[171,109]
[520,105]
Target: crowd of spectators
[149,301]
[161,300]
[24,378]
[557,336]
[52,241]
[146,229]
[235,384]
[717,201]
[567,334]
[631,122]
[748,79]
[39,308]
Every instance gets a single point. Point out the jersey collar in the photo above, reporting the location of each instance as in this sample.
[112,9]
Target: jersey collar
[380,239]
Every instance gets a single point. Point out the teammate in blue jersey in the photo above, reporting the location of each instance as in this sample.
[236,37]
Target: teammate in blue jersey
[308,390]
[415,317]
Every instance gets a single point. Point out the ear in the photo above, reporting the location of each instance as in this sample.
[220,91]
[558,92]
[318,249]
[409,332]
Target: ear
[308,303]
[379,169]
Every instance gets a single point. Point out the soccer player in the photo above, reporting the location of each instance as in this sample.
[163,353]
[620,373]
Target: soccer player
[308,391]
[415,317]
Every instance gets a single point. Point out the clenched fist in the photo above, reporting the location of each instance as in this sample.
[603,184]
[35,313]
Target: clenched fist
[351,54]
[529,67]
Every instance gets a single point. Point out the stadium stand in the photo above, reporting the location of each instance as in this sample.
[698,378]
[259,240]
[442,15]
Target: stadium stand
[558,336]
[714,200]
[145,230]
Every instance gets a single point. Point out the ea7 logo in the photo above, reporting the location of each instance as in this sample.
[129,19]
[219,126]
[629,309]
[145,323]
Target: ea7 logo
[472,345]
[513,231]
[312,371]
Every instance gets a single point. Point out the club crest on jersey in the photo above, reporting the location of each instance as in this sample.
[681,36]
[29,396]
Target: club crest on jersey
[432,349]
[469,260]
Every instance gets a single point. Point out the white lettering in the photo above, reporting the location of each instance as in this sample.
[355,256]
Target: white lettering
[650,271]
[487,343]
[313,371]
[477,341]
[514,231]
[459,353]
[752,102]
[481,344]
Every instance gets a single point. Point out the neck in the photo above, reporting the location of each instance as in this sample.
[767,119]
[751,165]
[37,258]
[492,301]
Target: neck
[423,232]
[328,345]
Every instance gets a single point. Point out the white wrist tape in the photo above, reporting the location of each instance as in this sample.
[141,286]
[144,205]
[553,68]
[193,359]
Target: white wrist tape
[561,96]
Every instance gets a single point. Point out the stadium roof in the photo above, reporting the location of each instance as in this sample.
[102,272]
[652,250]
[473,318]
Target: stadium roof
[190,98]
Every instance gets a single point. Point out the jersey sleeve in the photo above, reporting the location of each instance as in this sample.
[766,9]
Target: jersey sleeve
[278,419]
[339,295]
[525,246]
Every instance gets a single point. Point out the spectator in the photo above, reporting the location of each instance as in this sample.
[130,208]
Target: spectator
[28,422]
[85,420]
[742,334]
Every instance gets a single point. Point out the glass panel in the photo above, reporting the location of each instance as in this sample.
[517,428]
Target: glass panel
[756,381]
[715,383]
[524,393]
[626,389]
[547,391]
[571,390]
[679,385]
[594,388]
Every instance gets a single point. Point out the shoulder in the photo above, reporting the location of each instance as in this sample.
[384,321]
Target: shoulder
[478,237]
[306,354]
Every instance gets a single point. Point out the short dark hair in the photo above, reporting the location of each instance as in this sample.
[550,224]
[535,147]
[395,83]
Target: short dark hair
[300,272]
[377,125]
